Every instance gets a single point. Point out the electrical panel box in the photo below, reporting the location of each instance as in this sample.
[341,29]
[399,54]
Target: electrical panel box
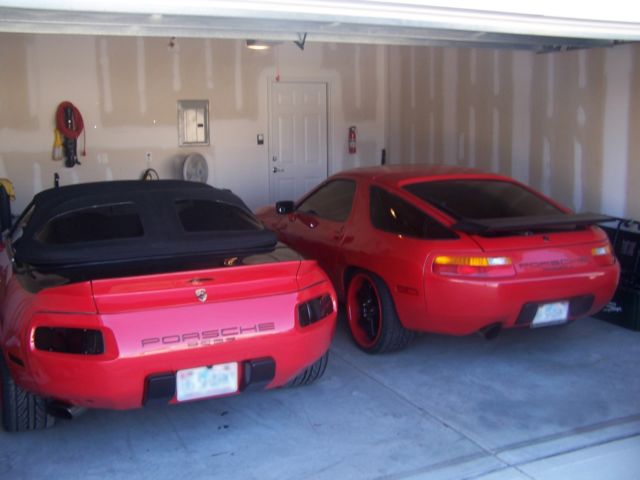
[193,122]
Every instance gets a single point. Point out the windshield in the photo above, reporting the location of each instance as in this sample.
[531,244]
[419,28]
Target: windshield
[482,199]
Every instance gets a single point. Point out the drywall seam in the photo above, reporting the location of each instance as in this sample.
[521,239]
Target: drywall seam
[357,65]
[495,140]
[496,73]
[432,137]
[412,73]
[550,85]
[107,102]
[546,166]
[208,63]
[522,74]
[577,176]
[141,75]
[615,152]
[175,66]
[32,77]
[450,82]
[473,70]
[472,136]
[238,75]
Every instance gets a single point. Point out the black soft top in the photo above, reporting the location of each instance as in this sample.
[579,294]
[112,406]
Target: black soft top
[70,197]
[164,242]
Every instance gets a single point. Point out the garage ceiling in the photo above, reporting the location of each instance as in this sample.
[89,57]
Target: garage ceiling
[460,23]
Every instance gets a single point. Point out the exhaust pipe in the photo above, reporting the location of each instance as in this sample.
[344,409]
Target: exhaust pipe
[490,331]
[64,410]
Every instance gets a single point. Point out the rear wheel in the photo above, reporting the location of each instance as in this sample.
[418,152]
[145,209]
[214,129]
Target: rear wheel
[312,373]
[21,410]
[372,316]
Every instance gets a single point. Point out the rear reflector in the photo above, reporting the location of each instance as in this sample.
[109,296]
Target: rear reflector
[69,340]
[473,266]
[314,310]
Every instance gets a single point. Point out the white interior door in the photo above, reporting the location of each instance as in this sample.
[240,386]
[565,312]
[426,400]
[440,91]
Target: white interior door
[297,138]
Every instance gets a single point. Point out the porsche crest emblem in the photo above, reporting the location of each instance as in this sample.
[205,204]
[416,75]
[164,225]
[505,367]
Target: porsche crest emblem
[201,293]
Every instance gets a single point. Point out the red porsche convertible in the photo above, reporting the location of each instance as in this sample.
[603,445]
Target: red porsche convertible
[447,250]
[123,294]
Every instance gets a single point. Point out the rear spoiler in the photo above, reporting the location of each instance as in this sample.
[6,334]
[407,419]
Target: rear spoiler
[528,223]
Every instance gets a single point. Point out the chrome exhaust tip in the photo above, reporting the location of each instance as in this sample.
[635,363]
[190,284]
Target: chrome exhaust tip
[64,410]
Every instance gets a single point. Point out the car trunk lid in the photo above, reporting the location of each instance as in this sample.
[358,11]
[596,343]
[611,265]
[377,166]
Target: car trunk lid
[206,286]
[552,252]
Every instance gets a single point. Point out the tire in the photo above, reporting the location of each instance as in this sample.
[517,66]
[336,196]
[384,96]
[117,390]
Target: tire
[371,314]
[21,410]
[312,373]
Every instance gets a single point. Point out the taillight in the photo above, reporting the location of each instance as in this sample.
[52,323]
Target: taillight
[467,266]
[69,340]
[313,310]
[603,255]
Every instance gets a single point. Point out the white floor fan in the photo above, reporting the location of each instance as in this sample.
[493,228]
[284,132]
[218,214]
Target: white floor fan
[195,168]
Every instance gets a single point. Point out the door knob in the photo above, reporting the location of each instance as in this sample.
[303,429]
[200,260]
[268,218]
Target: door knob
[276,169]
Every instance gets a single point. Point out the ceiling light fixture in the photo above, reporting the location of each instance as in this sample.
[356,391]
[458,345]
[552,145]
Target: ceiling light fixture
[258,45]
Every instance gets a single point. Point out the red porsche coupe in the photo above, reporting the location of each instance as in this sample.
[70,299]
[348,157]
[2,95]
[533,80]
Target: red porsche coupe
[447,250]
[123,294]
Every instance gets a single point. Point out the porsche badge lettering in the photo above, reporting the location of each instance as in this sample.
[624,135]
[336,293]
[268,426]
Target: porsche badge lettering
[206,337]
[201,293]
[556,264]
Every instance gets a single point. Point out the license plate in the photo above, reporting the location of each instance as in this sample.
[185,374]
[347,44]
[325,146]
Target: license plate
[550,313]
[204,382]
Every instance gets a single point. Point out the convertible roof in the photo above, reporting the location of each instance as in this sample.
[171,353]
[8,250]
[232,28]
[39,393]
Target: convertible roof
[163,243]
[86,194]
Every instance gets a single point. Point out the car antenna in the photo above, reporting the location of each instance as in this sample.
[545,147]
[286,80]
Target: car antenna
[56,180]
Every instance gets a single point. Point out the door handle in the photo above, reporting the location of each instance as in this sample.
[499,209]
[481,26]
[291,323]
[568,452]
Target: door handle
[276,170]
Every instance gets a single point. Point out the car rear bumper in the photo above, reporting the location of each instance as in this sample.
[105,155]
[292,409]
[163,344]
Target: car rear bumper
[142,346]
[460,307]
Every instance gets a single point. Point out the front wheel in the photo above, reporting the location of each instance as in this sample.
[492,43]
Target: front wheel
[372,316]
[21,410]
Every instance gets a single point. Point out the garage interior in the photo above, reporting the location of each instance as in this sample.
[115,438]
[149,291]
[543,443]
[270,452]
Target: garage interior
[553,101]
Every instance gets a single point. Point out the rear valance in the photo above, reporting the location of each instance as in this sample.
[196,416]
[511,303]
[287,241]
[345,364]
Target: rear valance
[490,225]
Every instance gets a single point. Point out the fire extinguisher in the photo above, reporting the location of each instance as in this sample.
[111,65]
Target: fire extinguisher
[352,139]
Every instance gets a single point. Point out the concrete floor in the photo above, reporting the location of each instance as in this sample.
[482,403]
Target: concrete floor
[555,403]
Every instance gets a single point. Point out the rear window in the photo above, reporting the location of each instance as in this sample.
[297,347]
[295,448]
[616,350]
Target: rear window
[211,216]
[482,199]
[104,222]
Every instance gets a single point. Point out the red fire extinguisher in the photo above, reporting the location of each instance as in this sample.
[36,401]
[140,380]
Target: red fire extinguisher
[352,139]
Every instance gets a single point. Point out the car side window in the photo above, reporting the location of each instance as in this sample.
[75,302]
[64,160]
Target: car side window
[104,222]
[392,214]
[333,201]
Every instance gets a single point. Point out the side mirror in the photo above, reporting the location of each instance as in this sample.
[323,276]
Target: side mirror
[283,207]
[5,210]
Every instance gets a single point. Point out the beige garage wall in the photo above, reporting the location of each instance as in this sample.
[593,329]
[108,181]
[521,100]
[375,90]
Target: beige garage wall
[127,88]
[567,123]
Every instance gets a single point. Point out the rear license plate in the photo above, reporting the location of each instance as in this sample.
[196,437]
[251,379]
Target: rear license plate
[550,313]
[204,382]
